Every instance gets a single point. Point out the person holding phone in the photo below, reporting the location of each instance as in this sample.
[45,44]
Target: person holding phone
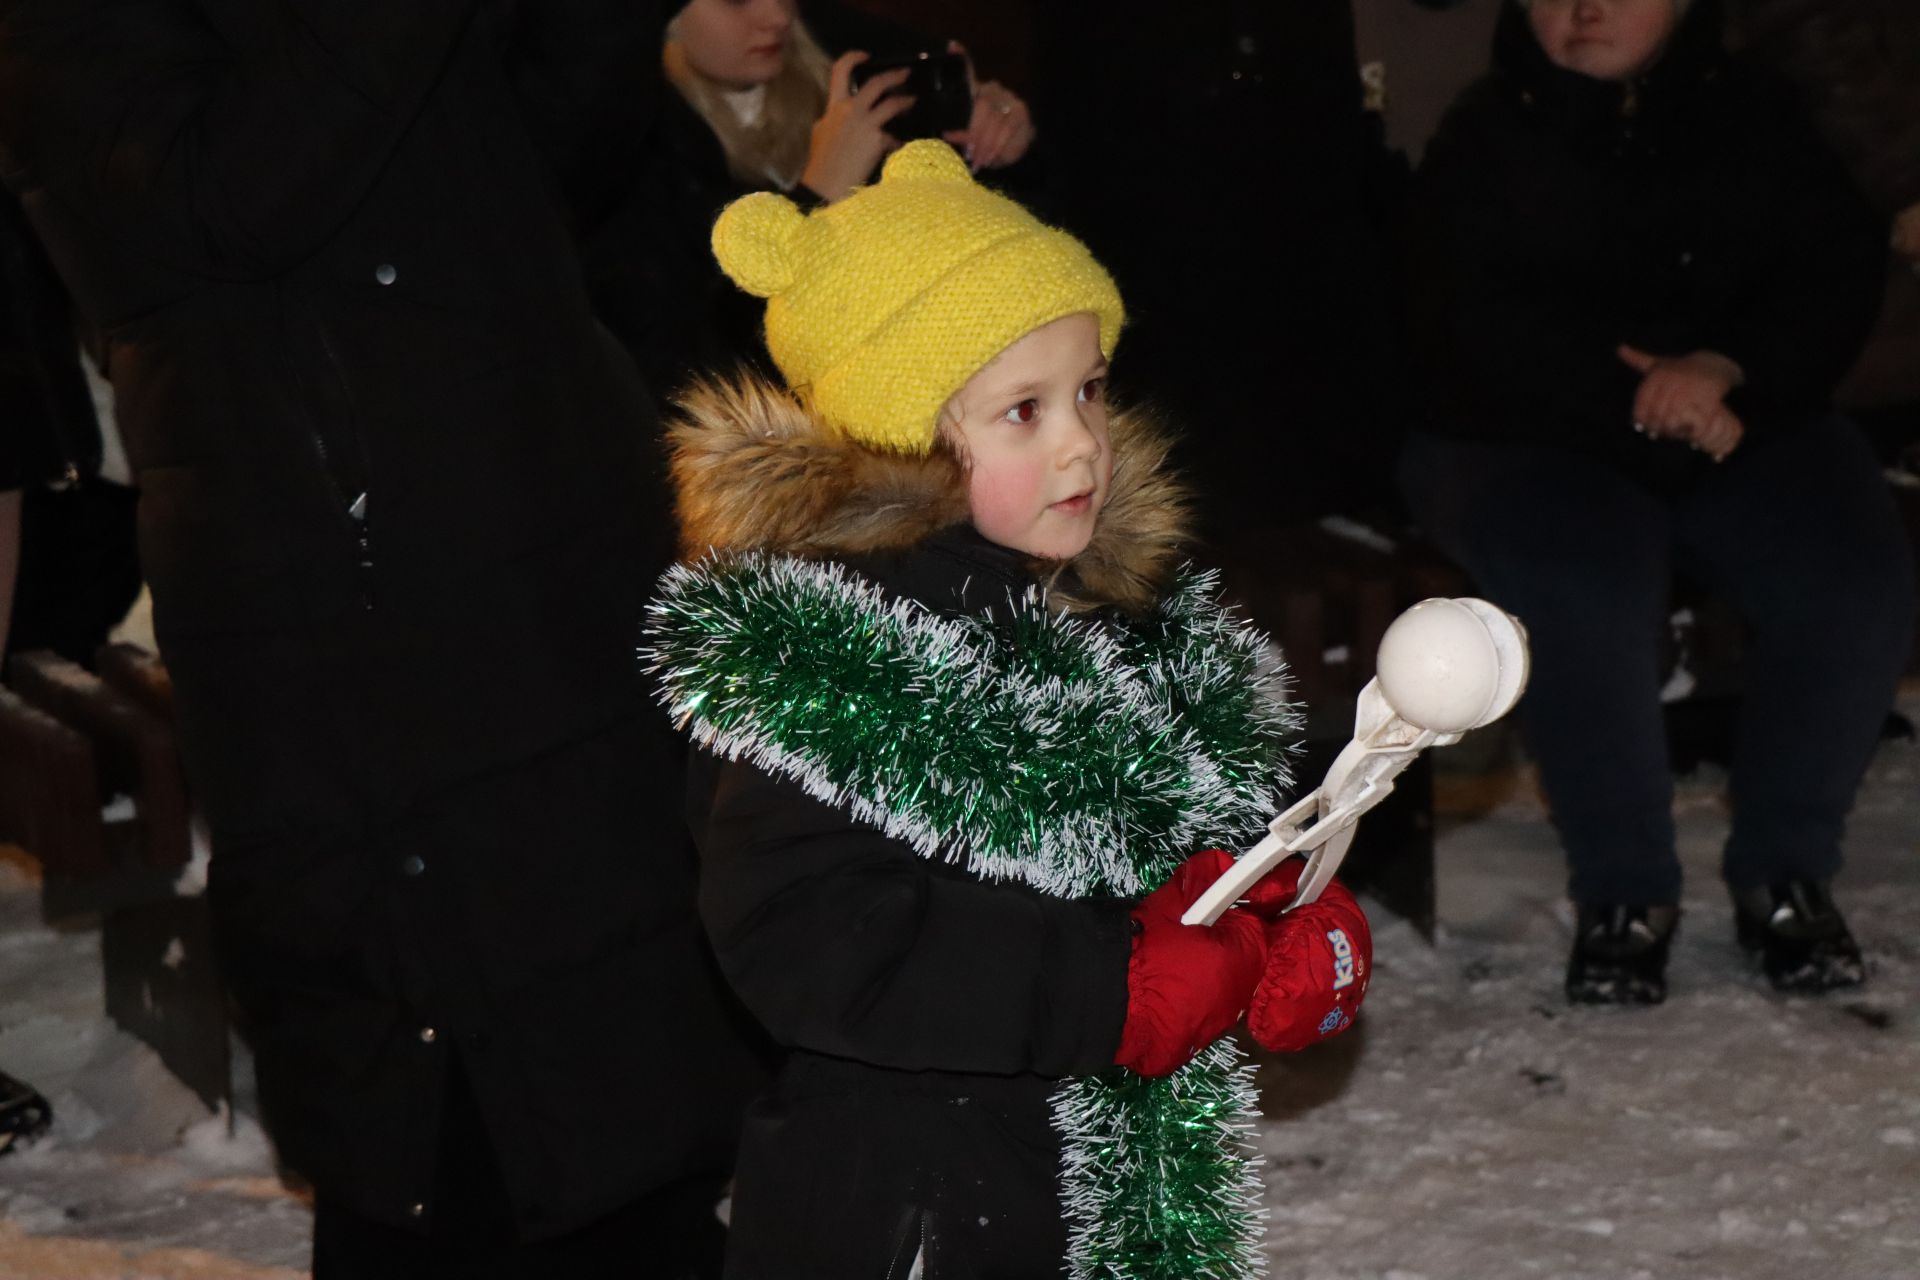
[769,100]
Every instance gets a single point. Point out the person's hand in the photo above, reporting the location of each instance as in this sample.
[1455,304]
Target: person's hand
[850,138]
[1001,127]
[1319,963]
[1718,436]
[1906,233]
[1683,398]
[1187,984]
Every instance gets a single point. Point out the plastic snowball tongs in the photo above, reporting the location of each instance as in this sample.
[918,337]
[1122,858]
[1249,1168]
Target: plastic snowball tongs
[1445,667]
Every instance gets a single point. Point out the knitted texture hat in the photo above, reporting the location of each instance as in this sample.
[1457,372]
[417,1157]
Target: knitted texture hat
[882,305]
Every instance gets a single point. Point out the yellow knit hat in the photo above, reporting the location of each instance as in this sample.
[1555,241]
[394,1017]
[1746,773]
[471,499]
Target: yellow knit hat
[882,305]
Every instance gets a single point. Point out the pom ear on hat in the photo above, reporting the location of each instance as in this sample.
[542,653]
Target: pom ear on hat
[753,241]
[926,158]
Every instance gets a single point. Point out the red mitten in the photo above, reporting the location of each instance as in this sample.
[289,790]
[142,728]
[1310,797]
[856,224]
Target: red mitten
[1271,893]
[1319,961]
[1186,984]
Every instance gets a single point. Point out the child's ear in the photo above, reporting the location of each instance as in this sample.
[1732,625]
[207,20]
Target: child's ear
[753,241]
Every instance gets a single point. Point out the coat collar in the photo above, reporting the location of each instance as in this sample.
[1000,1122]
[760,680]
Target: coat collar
[1629,116]
[753,470]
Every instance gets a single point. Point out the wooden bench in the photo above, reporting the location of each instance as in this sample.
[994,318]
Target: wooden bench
[92,785]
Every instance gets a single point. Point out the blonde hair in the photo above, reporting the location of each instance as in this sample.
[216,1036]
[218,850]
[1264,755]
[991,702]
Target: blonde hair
[773,148]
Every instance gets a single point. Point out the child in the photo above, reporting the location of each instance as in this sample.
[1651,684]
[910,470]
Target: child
[1637,278]
[946,825]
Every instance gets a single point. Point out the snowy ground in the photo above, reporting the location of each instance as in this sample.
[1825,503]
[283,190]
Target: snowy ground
[1471,1128]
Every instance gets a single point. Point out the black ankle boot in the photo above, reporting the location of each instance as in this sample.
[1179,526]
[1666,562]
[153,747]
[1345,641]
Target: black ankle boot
[1801,940]
[1620,954]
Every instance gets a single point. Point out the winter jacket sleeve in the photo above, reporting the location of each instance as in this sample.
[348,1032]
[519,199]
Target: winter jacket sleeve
[1514,349]
[227,151]
[843,941]
[1817,282]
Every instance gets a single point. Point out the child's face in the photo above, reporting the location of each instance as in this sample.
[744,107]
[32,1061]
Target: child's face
[1605,39]
[1033,427]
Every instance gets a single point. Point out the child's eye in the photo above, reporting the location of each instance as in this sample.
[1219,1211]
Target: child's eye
[1024,412]
[1093,390]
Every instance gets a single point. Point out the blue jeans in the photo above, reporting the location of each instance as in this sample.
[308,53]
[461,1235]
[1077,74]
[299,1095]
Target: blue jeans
[1796,530]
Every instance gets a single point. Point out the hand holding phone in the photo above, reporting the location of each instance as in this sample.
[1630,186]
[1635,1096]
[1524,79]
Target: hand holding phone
[850,138]
[938,84]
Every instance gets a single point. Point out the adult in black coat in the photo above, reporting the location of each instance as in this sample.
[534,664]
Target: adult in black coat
[400,508]
[1582,246]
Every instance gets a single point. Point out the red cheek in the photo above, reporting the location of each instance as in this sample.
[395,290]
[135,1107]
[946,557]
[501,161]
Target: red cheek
[1005,501]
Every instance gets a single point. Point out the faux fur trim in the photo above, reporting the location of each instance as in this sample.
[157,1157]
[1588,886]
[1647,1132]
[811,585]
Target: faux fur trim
[754,471]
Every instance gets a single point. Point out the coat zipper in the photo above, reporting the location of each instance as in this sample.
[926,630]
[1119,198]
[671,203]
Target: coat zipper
[355,504]
[910,1248]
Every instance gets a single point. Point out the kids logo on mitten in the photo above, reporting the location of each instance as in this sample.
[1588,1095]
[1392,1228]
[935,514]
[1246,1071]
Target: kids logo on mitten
[1342,958]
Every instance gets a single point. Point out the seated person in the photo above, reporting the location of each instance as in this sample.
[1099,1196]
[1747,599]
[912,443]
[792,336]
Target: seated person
[1636,277]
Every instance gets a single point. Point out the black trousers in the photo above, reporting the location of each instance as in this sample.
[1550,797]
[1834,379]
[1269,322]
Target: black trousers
[671,1234]
[1796,530]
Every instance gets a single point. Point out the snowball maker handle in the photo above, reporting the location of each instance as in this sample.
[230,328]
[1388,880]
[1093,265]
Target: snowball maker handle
[1445,667]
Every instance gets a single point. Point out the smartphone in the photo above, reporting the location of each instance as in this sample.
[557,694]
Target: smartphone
[937,82]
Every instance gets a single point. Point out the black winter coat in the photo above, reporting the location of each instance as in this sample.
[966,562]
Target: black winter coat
[883,971]
[1557,216]
[400,507]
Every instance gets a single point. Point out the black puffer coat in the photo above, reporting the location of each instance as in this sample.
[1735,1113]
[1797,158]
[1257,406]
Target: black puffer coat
[1557,216]
[399,509]
[884,971]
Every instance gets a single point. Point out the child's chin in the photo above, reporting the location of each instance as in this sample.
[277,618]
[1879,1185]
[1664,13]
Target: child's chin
[1061,548]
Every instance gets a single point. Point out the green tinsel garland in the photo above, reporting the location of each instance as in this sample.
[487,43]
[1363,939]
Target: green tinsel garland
[1076,756]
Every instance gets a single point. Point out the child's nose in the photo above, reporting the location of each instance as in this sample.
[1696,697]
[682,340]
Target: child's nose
[1081,444]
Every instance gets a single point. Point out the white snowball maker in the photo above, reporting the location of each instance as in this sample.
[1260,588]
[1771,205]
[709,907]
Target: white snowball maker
[1445,667]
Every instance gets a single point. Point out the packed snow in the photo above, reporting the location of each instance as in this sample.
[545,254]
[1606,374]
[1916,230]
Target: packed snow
[1472,1127]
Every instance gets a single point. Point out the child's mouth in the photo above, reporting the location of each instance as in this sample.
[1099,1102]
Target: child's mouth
[1076,505]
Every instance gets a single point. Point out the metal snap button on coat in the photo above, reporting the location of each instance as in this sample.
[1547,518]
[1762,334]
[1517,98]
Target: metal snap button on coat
[385,273]
[412,865]
[428,1035]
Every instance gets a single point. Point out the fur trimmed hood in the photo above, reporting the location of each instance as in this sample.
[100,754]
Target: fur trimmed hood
[753,470]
